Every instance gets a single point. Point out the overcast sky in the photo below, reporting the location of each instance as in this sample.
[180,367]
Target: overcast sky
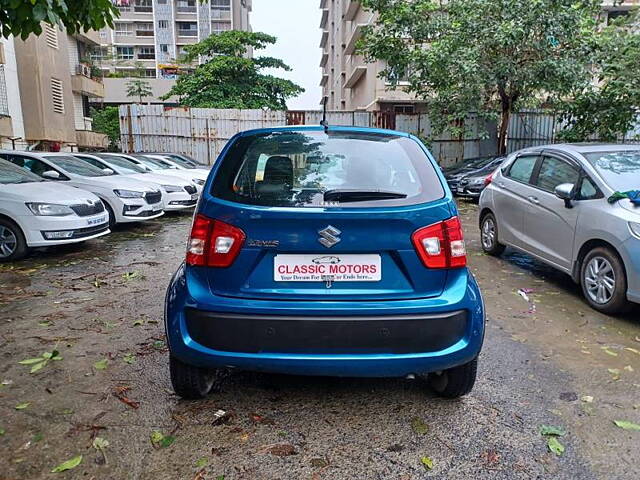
[296,24]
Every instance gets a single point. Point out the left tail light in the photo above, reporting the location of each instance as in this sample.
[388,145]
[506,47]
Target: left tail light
[213,243]
[441,245]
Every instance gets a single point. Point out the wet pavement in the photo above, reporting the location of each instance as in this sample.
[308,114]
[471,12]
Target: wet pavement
[548,360]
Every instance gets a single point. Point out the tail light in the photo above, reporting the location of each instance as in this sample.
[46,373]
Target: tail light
[489,179]
[213,243]
[441,245]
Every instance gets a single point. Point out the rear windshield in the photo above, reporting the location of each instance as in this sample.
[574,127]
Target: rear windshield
[620,170]
[317,169]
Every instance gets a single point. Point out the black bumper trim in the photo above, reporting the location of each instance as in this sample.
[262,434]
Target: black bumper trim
[78,233]
[397,334]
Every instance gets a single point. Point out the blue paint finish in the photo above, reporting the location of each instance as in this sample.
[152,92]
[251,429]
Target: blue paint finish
[247,287]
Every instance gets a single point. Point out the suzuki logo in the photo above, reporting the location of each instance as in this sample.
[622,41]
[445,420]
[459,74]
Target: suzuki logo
[329,236]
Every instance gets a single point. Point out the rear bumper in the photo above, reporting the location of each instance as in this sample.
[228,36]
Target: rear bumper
[328,338]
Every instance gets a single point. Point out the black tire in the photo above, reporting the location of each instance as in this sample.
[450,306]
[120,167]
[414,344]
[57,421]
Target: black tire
[490,243]
[455,382]
[190,382]
[112,216]
[13,245]
[617,303]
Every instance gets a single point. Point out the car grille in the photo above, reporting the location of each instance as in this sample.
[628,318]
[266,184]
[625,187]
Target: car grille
[85,209]
[190,189]
[153,197]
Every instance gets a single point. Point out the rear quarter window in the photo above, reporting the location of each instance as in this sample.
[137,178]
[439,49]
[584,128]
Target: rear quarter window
[297,169]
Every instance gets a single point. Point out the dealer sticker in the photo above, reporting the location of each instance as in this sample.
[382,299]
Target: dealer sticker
[324,268]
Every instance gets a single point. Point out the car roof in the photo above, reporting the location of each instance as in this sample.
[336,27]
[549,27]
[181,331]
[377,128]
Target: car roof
[319,128]
[583,148]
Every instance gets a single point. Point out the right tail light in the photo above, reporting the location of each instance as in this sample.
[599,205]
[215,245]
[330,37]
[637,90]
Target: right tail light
[441,245]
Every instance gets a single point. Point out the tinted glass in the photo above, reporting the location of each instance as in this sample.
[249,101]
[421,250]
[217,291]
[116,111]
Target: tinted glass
[75,166]
[151,163]
[124,165]
[554,172]
[92,161]
[181,161]
[620,169]
[296,169]
[32,164]
[10,174]
[522,168]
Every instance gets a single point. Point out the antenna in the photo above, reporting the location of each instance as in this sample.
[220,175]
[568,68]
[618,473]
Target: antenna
[324,122]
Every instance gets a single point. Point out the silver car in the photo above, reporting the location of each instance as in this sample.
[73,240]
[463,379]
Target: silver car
[576,208]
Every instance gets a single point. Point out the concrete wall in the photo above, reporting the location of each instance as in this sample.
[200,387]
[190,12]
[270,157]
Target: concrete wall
[14,125]
[116,91]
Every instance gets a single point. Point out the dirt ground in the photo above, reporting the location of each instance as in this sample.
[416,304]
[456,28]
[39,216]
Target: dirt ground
[547,361]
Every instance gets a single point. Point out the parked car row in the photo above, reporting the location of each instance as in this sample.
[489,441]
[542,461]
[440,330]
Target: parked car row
[50,199]
[469,179]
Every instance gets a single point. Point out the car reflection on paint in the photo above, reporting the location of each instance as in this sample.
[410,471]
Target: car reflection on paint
[328,259]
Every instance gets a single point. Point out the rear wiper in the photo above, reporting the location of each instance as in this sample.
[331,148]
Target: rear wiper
[345,195]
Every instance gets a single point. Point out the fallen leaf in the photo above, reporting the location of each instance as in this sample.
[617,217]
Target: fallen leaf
[551,430]
[628,368]
[68,465]
[615,373]
[159,440]
[633,350]
[625,425]
[609,352]
[138,322]
[22,406]
[282,450]
[202,462]
[100,443]
[1,431]
[555,446]
[427,463]
[129,358]
[587,399]
[101,364]
[418,426]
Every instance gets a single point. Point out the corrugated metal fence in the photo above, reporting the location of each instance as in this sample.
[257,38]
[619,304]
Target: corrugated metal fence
[203,132]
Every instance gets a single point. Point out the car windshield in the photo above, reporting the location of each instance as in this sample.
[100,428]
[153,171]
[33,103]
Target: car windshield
[338,168]
[11,174]
[75,166]
[619,169]
[181,161]
[152,163]
[124,165]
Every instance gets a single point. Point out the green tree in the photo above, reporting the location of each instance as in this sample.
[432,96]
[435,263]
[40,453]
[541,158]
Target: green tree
[608,107]
[107,121]
[21,18]
[228,78]
[490,57]
[137,87]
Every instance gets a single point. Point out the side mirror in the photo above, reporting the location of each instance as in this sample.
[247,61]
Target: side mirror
[51,175]
[564,191]
[108,171]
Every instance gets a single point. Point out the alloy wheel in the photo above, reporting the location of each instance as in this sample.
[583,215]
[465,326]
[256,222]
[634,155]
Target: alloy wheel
[8,242]
[600,280]
[488,233]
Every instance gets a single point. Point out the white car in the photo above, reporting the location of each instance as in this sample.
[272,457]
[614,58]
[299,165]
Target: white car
[36,213]
[126,200]
[178,194]
[164,167]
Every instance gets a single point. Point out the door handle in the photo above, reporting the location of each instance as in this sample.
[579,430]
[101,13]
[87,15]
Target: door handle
[501,184]
[534,200]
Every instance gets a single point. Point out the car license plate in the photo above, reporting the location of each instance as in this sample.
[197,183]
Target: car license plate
[97,221]
[194,196]
[323,268]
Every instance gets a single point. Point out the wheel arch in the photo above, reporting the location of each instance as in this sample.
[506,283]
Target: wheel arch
[483,213]
[586,248]
[13,221]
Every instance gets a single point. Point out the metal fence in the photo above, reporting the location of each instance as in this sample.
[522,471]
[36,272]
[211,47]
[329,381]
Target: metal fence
[203,132]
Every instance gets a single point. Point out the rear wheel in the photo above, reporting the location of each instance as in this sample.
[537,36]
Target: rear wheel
[190,382]
[455,382]
[112,216]
[489,236]
[13,245]
[603,280]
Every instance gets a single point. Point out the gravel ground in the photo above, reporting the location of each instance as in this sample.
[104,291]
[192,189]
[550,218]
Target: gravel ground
[549,361]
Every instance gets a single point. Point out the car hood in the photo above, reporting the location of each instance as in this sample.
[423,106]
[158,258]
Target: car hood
[46,192]
[157,179]
[115,181]
[627,205]
[183,174]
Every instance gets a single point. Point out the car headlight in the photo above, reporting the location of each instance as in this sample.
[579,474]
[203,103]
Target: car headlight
[128,194]
[49,209]
[198,181]
[172,188]
[635,228]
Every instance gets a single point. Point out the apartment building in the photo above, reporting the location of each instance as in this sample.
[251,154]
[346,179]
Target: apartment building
[11,124]
[55,84]
[349,83]
[150,36]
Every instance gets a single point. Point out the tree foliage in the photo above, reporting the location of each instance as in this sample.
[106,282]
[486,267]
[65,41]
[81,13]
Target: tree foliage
[491,57]
[21,18]
[607,108]
[228,78]
[107,121]
[138,88]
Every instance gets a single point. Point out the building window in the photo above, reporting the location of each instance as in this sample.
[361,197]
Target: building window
[186,6]
[4,102]
[187,29]
[218,27]
[123,29]
[162,2]
[144,29]
[164,48]
[51,36]
[163,24]
[147,53]
[404,109]
[99,53]
[149,73]
[142,6]
[57,96]
[221,9]
[124,53]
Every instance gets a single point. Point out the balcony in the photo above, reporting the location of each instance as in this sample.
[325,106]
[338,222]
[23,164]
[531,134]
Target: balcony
[356,74]
[83,83]
[89,139]
[351,9]
[324,38]
[218,13]
[324,59]
[324,19]
[186,9]
[324,79]
[350,47]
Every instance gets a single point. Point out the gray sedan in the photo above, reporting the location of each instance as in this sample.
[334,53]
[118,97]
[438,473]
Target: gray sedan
[576,208]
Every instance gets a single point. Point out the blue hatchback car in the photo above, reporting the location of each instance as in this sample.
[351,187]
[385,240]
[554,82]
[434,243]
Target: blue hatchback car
[325,251]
